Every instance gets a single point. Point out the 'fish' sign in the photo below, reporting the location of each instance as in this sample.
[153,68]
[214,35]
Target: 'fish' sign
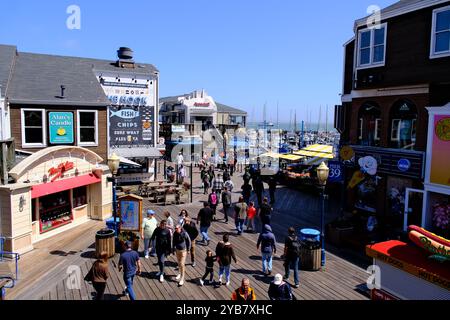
[125,114]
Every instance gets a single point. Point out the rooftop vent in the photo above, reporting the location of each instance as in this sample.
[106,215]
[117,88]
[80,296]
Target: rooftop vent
[125,56]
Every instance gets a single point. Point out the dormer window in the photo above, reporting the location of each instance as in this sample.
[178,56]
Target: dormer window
[372,47]
[440,36]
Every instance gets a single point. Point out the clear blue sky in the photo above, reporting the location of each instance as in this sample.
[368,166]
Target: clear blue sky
[245,53]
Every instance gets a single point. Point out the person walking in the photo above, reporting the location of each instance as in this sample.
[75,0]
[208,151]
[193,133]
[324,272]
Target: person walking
[226,202]
[246,191]
[163,244]
[259,188]
[225,253]
[247,176]
[99,274]
[206,182]
[251,214]
[209,269]
[213,201]
[244,292]
[280,290]
[181,174]
[149,224]
[292,256]
[211,174]
[217,184]
[265,212]
[191,229]
[240,209]
[182,217]
[204,218]
[181,245]
[169,222]
[131,265]
[229,184]
[267,242]
[272,189]
[226,175]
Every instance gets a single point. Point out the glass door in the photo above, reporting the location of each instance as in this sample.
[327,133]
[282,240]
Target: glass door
[414,208]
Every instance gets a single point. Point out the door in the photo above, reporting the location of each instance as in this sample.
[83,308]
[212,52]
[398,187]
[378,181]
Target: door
[414,208]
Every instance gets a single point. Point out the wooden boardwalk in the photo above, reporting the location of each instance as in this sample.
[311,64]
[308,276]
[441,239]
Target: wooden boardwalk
[43,272]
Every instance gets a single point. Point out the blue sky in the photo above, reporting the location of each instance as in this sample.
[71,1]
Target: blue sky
[244,53]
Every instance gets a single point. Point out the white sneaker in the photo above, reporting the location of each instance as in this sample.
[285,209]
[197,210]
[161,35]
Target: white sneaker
[228,283]
[181,283]
[201,282]
[178,277]
[161,278]
[147,256]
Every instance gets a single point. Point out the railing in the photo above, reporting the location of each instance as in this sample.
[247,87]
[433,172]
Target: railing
[16,258]
[2,244]
[6,286]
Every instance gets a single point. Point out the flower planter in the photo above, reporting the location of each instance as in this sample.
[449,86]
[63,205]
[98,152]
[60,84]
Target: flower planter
[337,235]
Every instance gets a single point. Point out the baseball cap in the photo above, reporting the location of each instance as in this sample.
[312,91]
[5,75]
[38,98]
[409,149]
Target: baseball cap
[278,279]
[150,211]
[128,244]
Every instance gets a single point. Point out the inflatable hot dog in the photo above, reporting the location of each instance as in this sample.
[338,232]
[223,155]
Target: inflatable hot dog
[438,246]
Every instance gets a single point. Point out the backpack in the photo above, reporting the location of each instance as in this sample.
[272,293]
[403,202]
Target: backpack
[213,198]
[294,247]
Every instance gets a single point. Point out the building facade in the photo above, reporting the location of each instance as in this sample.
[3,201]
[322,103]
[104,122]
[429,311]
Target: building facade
[390,78]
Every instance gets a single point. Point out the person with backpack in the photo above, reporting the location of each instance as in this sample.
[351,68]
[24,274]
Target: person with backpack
[268,248]
[280,290]
[226,201]
[190,227]
[292,256]
[240,213]
[213,201]
[163,244]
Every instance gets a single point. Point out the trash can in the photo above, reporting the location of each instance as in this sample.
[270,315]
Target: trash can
[110,223]
[309,234]
[310,254]
[105,241]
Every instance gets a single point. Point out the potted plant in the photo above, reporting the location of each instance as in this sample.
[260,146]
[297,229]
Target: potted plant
[441,219]
[131,236]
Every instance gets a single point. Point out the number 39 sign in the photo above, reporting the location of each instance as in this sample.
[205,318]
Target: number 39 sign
[335,174]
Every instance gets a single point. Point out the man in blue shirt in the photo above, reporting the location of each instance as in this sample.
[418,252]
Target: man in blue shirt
[131,265]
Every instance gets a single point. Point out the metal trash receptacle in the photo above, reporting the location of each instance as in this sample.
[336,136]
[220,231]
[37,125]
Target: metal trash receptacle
[309,234]
[311,255]
[105,241]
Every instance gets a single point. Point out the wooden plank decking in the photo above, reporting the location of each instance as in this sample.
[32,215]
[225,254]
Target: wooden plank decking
[43,272]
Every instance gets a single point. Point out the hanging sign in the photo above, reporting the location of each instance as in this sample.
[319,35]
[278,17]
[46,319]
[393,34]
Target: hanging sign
[60,127]
[336,172]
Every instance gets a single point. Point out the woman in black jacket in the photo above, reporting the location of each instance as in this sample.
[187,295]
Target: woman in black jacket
[163,246]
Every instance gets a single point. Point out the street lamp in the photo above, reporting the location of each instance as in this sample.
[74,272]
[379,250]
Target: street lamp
[322,176]
[113,164]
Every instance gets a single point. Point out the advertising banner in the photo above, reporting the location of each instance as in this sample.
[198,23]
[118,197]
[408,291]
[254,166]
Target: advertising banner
[440,170]
[60,127]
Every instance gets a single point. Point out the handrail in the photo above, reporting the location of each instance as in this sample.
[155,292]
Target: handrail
[7,286]
[16,258]
[2,243]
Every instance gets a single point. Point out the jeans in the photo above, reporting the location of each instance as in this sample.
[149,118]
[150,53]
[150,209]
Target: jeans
[161,260]
[266,262]
[252,222]
[128,279]
[204,232]
[292,263]
[240,225]
[210,272]
[226,270]
[181,259]
[147,245]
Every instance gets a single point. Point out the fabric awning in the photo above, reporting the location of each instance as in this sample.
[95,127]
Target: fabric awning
[291,157]
[271,155]
[45,189]
[129,162]
[317,150]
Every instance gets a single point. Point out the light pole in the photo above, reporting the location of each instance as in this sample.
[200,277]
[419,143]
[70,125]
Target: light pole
[113,164]
[322,176]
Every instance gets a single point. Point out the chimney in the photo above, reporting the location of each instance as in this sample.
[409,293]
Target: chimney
[125,56]
[62,91]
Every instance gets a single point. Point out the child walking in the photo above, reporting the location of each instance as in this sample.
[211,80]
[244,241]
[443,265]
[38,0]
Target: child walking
[209,270]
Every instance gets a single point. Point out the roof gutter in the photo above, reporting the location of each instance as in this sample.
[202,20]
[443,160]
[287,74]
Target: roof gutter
[59,103]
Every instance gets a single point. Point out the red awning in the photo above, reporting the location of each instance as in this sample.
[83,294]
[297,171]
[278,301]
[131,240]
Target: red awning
[45,189]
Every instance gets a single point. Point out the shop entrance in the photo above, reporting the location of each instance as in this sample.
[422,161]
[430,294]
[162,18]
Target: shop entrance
[414,208]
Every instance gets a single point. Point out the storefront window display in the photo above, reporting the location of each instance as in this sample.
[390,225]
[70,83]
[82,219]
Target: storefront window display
[54,211]
[366,195]
[79,196]
[441,214]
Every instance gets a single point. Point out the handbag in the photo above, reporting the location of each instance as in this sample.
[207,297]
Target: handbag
[90,275]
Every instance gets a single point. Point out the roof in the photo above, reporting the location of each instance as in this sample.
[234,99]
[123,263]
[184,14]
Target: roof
[402,7]
[227,109]
[7,54]
[37,79]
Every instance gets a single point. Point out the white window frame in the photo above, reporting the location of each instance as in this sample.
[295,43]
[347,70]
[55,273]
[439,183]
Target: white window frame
[372,41]
[361,122]
[87,144]
[397,136]
[433,54]
[377,126]
[44,129]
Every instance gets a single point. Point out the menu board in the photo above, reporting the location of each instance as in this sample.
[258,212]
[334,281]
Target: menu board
[129,215]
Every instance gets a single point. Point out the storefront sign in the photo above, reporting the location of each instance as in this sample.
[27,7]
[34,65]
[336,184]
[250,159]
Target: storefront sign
[347,153]
[381,295]
[336,172]
[61,127]
[440,169]
[368,165]
[202,104]
[59,171]
[403,165]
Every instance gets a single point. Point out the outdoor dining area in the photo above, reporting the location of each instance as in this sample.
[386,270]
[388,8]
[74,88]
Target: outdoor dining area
[161,192]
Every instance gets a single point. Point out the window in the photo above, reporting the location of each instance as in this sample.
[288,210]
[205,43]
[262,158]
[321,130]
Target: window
[87,128]
[360,129]
[79,197]
[372,47]
[440,36]
[413,130]
[377,129]
[395,132]
[33,128]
